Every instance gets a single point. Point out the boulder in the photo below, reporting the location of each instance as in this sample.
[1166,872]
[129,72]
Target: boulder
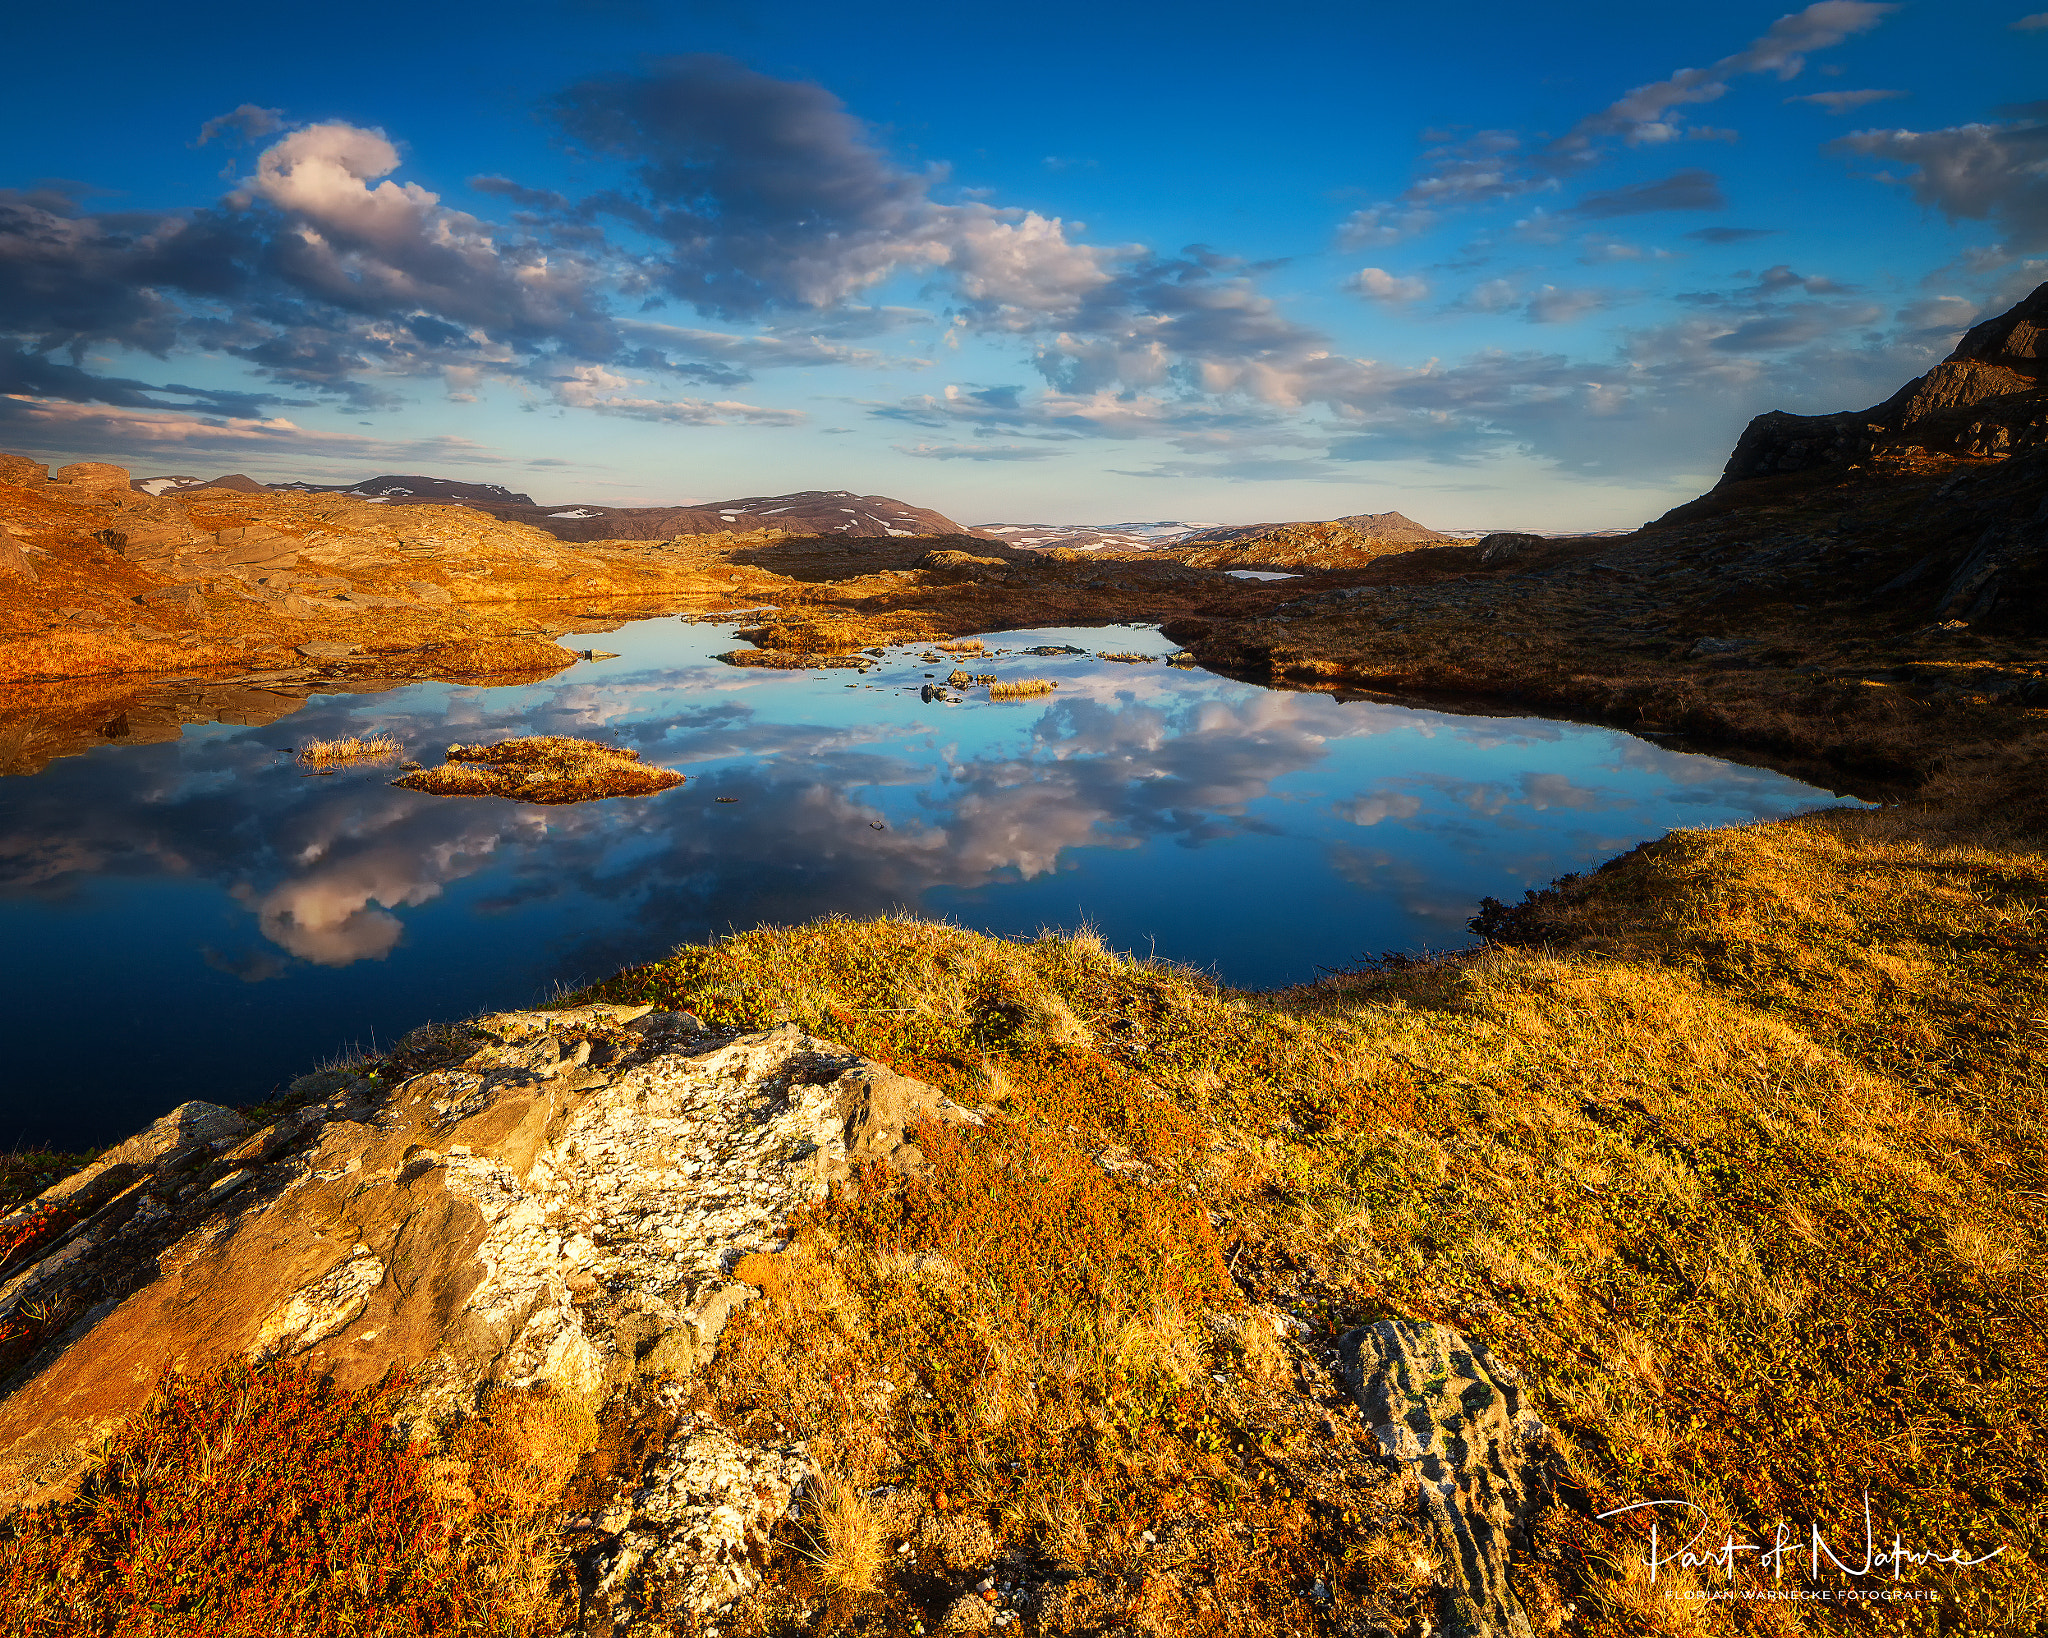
[1443,1410]
[14,563]
[534,1199]
[93,475]
[19,469]
[1506,546]
[256,543]
[186,600]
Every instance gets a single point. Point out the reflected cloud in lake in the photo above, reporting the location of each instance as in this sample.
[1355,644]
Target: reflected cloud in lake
[211,920]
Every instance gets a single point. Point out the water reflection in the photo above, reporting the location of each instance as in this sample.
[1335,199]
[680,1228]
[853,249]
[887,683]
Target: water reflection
[199,918]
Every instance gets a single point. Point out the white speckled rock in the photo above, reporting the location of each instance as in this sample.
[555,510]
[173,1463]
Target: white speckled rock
[558,1202]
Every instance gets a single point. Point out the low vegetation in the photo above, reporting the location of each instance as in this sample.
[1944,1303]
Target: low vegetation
[547,769]
[1729,1149]
[261,1501]
[323,753]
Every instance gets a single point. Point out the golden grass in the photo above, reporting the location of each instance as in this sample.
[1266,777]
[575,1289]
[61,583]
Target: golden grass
[547,769]
[378,747]
[1023,689]
[1655,1158]
[845,1539]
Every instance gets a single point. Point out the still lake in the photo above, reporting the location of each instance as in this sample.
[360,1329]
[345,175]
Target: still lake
[203,919]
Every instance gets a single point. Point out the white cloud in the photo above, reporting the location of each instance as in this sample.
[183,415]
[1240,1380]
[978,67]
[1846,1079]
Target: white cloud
[1555,305]
[605,392]
[1977,172]
[1377,284]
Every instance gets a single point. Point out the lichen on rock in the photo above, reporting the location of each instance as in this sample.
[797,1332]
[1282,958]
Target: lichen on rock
[1442,1408]
[536,1200]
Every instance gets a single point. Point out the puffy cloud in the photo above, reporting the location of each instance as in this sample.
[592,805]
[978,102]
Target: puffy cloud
[1974,172]
[247,123]
[1382,225]
[2031,23]
[1370,810]
[1377,284]
[766,193]
[1844,102]
[394,249]
[68,280]
[1682,190]
[1555,305]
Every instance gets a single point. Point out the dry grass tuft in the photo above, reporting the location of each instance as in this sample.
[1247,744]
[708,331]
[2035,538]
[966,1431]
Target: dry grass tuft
[380,747]
[547,769]
[1021,690]
[845,1539]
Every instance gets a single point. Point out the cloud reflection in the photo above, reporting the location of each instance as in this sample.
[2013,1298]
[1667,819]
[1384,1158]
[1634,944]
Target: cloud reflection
[332,871]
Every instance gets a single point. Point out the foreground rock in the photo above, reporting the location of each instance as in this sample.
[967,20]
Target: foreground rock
[544,1199]
[547,769]
[1443,1409]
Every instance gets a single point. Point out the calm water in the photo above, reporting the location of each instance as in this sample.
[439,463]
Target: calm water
[200,919]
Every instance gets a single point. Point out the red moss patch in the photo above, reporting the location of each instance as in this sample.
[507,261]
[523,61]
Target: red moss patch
[257,1502]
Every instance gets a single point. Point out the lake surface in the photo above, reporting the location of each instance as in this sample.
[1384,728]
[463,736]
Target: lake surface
[204,919]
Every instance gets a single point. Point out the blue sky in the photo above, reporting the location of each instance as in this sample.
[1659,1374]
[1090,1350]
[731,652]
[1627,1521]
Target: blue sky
[1506,266]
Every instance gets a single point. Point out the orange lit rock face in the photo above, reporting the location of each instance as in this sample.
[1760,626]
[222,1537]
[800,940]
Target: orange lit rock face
[545,1199]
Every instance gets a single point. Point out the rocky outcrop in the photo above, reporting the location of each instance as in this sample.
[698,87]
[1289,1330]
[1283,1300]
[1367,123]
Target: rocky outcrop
[1506,547]
[534,1199]
[1445,1411]
[1986,400]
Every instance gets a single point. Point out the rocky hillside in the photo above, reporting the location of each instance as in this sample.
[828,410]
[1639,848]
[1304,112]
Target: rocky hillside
[810,512]
[1088,537]
[1306,547]
[1986,401]
[1387,526]
[414,488]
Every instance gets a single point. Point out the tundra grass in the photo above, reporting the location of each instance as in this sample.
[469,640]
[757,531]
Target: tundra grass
[1735,1152]
[379,747]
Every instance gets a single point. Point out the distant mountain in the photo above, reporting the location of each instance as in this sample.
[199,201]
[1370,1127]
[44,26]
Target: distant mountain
[414,488]
[1369,525]
[179,486]
[809,512]
[1088,537]
[1156,537]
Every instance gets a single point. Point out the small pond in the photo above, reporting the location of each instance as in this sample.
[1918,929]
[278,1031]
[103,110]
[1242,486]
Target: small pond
[204,919]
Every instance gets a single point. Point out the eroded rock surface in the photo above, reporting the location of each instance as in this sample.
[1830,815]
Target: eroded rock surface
[698,1519]
[538,1198]
[1444,1410]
